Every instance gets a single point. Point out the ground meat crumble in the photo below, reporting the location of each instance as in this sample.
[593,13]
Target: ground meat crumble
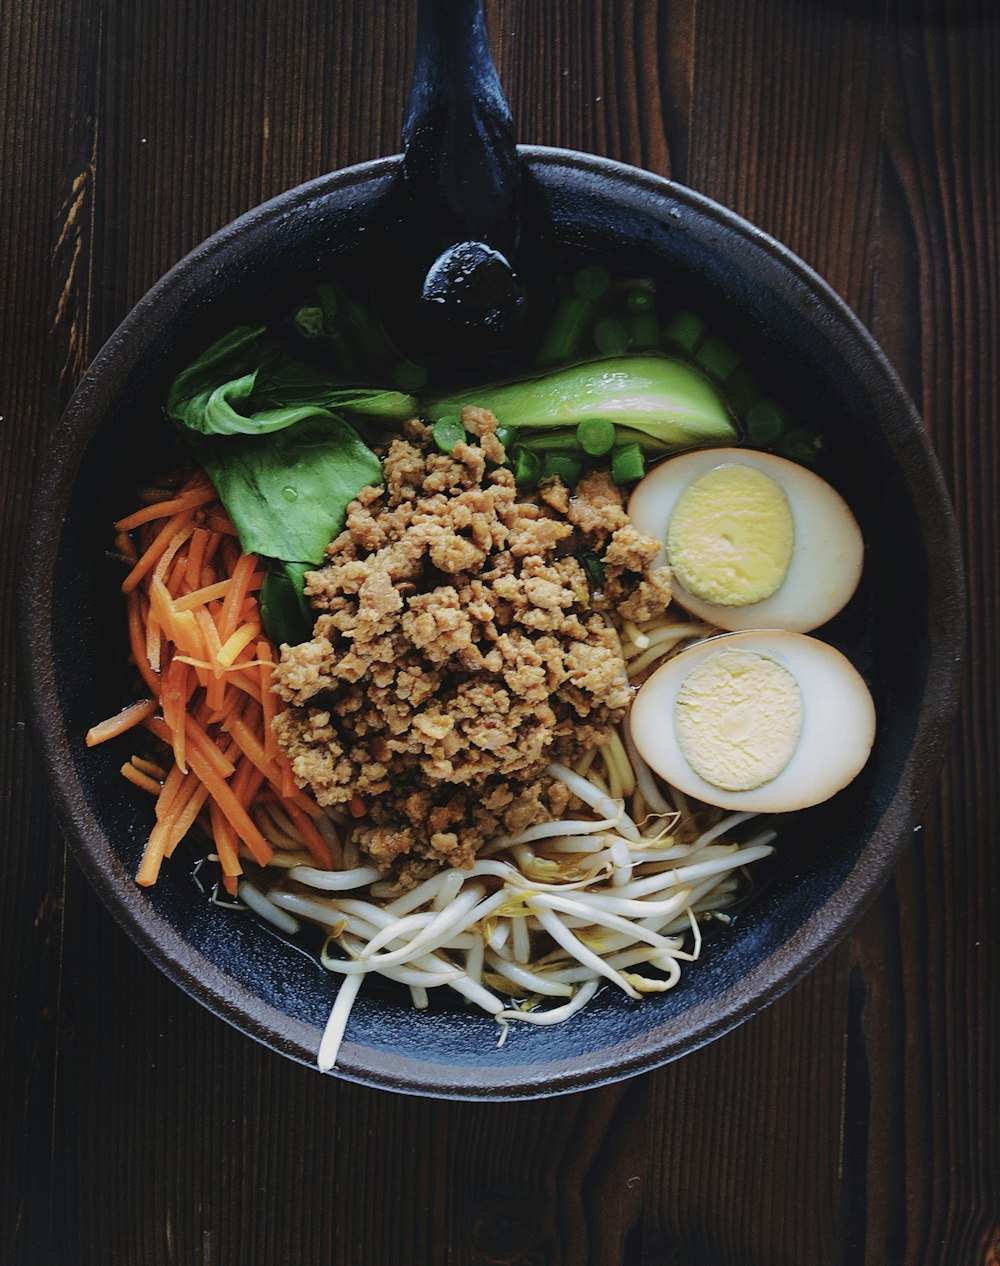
[459,648]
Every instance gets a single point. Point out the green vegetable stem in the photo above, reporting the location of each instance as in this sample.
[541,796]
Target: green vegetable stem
[666,401]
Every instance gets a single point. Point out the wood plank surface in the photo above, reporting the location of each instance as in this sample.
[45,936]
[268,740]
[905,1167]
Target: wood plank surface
[857,1120]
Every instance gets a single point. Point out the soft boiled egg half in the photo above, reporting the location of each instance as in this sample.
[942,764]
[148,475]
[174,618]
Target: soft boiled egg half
[754,541]
[766,721]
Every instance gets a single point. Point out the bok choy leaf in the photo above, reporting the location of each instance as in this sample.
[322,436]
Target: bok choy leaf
[667,402]
[287,492]
[242,385]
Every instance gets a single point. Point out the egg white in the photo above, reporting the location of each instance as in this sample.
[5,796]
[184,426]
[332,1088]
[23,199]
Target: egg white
[838,725]
[827,555]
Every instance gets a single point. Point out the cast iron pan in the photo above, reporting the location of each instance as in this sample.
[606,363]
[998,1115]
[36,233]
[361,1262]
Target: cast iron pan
[903,629]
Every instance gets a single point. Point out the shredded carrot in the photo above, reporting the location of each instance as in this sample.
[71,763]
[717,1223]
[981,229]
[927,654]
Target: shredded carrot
[134,714]
[196,557]
[154,552]
[242,573]
[149,767]
[195,638]
[268,702]
[237,643]
[312,839]
[136,776]
[357,807]
[199,597]
[138,613]
[198,495]
[226,845]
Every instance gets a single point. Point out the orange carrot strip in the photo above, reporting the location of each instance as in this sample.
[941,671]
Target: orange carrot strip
[356,807]
[178,572]
[212,545]
[189,500]
[252,748]
[199,597]
[179,538]
[196,558]
[137,642]
[152,856]
[136,776]
[134,714]
[175,697]
[153,643]
[126,547]
[229,619]
[198,740]
[152,555]
[312,839]
[188,810]
[149,767]
[170,830]
[171,788]
[225,841]
[210,636]
[267,700]
[303,801]
[222,794]
[237,643]
[220,522]
[180,626]
[246,782]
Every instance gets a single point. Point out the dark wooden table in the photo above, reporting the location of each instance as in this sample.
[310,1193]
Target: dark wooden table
[855,1121]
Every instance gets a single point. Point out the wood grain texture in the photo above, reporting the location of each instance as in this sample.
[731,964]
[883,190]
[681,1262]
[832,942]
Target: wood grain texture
[857,1120]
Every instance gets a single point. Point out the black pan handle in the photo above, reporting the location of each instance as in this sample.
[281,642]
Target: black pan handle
[460,162]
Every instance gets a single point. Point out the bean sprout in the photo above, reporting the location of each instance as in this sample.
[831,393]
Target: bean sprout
[541,917]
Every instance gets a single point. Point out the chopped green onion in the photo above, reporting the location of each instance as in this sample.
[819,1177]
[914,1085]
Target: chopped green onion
[611,338]
[571,319]
[594,568]
[596,436]
[527,467]
[627,464]
[766,421]
[560,439]
[644,330]
[684,330]
[717,358]
[799,445]
[592,282]
[448,432]
[309,321]
[566,465]
[641,299]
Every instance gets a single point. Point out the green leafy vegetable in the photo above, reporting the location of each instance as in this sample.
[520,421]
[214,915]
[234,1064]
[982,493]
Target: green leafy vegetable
[284,607]
[663,400]
[287,492]
[243,386]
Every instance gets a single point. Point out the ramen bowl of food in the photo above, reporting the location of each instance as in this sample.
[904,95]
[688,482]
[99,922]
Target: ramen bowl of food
[491,739]
[494,656]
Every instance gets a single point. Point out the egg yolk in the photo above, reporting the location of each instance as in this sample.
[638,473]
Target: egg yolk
[730,536]
[738,717]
